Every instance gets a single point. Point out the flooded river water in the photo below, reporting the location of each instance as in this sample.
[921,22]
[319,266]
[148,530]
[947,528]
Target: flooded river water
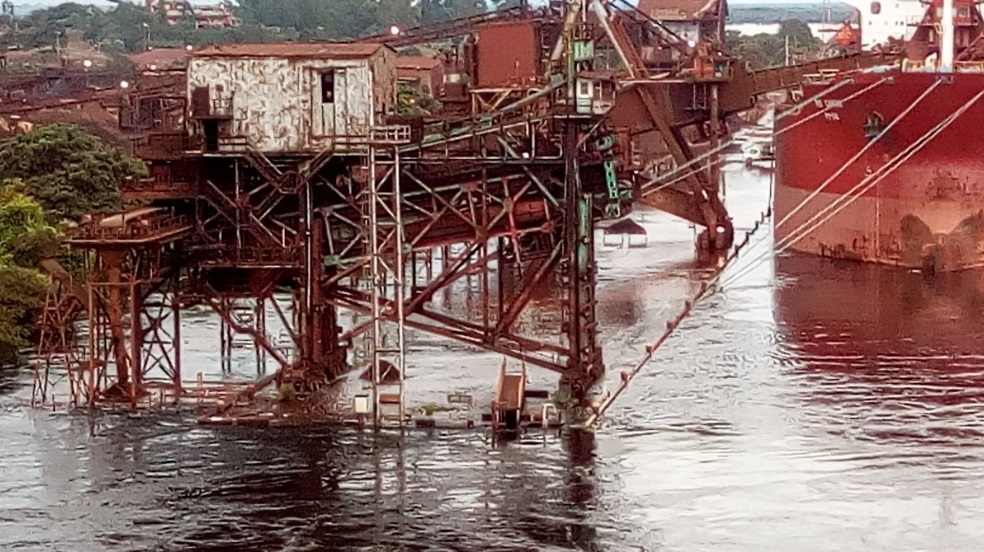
[809,406]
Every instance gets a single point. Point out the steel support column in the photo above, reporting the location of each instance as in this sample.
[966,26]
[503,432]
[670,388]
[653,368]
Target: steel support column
[585,365]
[387,247]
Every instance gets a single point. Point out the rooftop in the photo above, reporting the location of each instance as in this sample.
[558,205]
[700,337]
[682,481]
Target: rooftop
[161,57]
[330,50]
[417,62]
[679,9]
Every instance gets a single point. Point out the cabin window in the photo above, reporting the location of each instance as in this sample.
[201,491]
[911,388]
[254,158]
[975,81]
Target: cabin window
[876,8]
[328,87]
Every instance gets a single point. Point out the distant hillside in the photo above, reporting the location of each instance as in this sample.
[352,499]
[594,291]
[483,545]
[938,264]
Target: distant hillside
[770,13]
[740,13]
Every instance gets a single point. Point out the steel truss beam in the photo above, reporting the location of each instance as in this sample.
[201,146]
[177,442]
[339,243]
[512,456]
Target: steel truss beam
[543,230]
[134,331]
[57,335]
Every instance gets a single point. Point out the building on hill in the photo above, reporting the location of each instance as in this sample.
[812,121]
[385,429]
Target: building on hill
[218,15]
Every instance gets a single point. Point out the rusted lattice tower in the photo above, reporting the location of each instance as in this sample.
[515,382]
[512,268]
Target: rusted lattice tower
[388,250]
[55,358]
[132,352]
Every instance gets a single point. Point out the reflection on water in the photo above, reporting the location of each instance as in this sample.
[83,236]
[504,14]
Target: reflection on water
[894,354]
[809,406]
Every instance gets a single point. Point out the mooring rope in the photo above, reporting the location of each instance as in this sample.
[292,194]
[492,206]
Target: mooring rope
[826,108]
[672,325]
[658,180]
[860,152]
[705,287]
[813,195]
[856,192]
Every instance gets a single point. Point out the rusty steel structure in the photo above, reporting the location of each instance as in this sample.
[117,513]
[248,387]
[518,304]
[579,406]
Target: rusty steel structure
[285,167]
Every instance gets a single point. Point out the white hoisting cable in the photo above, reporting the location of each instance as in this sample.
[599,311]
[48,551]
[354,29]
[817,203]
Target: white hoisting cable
[813,195]
[660,182]
[856,192]
[706,286]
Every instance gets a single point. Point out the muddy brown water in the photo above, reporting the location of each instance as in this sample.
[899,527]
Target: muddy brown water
[810,406]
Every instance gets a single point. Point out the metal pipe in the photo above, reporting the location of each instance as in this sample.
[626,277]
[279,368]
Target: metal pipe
[400,282]
[375,274]
[946,37]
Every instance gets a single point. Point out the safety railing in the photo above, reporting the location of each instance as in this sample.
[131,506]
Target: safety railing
[138,228]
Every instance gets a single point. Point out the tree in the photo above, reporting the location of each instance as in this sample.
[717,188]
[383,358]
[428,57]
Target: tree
[432,11]
[314,18]
[25,237]
[396,12]
[69,171]
[23,294]
[764,50]
[410,101]
[799,33]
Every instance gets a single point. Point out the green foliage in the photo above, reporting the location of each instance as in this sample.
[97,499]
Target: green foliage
[22,226]
[766,50]
[313,18]
[432,11]
[124,23]
[69,171]
[43,27]
[23,289]
[25,235]
[49,174]
[799,33]
[410,101]
[128,27]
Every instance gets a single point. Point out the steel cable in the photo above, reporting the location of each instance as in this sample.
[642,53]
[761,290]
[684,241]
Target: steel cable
[671,325]
[857,191]
[728,143]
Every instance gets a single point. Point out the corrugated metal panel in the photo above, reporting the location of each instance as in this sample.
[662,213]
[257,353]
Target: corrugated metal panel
[384,83]
[416,63]
[508,53]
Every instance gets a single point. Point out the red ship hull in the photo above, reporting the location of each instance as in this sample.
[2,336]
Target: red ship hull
[927,213]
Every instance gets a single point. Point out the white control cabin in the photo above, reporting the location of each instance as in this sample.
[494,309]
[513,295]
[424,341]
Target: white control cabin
[290,98]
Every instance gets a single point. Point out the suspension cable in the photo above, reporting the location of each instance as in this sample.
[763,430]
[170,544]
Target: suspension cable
[855,192]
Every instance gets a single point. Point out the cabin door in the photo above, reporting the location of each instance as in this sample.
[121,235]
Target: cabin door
[328,88]
[341,103]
